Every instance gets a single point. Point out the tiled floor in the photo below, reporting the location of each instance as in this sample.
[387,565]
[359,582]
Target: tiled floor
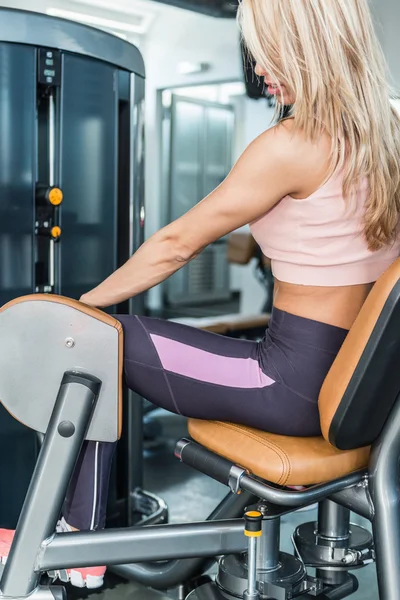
[194,496]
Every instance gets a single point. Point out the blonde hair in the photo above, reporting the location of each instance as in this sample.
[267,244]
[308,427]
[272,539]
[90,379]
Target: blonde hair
[327,53]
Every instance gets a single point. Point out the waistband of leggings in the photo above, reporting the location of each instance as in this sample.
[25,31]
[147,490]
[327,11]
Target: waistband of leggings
[306,331]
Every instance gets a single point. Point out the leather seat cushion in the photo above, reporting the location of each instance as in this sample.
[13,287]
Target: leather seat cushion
[279,459]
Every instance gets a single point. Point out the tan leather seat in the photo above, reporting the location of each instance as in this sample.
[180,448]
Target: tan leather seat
[277,458]
[305,461]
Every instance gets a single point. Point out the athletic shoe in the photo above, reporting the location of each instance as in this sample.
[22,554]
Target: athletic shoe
[90,577]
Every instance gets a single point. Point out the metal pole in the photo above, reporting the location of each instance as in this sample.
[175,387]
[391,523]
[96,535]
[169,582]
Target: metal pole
[357,498]
[385,492]
[252,530]
[52,177]
[142,544]
[268,545]
[134,452]
[169,574]
[65,434]
[52,136]
[333,526]
[134,437]
[252,568]
[333,521]
[311,495]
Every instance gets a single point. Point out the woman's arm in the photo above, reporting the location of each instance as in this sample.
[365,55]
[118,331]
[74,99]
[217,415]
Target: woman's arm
[266,172]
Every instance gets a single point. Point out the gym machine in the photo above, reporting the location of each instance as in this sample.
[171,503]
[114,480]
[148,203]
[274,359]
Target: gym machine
[71,200]
[69,390]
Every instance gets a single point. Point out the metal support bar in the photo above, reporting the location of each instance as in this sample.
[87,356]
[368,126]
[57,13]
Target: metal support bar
[165,575]
[52,177]
[333,527]
[228,473]
[251,593]
[253,530]
[268,545]
[52,137]
[333,520]
[158,542]
[133,453]
[294,499]
[65,434]
[357,499]
[385,492]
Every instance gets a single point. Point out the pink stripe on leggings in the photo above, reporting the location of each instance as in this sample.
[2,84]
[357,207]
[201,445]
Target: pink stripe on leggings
[211,368]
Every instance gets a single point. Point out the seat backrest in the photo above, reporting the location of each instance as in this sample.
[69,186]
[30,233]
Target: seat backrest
[41,337]
[363,384]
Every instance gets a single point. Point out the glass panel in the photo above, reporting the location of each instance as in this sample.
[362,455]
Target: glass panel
[201,157]
[218,147]
[17,169]
[89,174]
[17,180]
[186,157]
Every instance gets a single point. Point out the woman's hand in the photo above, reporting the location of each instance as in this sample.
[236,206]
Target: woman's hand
[89,300]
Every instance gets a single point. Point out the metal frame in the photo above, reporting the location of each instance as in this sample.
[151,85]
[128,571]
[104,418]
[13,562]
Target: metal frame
[154,543]
[36,29]
[385,492]
[62,443]
[169,116]
[237,479]
[187,547]
[36,548]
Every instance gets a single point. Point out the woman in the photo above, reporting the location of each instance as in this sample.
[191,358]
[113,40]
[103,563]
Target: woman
[321,192]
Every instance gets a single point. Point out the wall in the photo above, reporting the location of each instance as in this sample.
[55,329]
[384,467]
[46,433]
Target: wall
[256,118]
[175,37]
[387,15]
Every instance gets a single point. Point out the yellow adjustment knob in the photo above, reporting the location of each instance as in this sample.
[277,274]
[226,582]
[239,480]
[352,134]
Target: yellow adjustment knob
[253,523]
[55,232]
[56,196]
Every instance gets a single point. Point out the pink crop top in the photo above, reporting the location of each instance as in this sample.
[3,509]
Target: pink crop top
[320,241]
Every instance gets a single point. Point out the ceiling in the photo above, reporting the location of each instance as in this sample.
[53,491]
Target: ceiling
[214,8]
[132,18]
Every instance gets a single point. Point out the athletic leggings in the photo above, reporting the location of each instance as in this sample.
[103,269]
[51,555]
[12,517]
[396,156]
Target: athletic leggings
[271,385]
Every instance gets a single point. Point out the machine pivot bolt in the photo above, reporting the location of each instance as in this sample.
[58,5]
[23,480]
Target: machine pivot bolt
[350,558]
[70,342]
[66,429]
[263,509]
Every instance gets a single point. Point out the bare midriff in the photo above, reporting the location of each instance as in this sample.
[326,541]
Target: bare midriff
[338,306]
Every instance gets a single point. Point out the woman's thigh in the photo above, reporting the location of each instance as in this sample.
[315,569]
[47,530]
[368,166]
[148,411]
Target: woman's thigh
[202,375]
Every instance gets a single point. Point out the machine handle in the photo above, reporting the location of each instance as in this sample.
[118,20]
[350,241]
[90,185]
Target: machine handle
[204,461]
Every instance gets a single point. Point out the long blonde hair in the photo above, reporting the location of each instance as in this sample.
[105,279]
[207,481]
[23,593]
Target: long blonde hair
[328,53]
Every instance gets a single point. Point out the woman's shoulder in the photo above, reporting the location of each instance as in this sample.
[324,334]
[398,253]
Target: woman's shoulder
[288,135]
[309,159]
